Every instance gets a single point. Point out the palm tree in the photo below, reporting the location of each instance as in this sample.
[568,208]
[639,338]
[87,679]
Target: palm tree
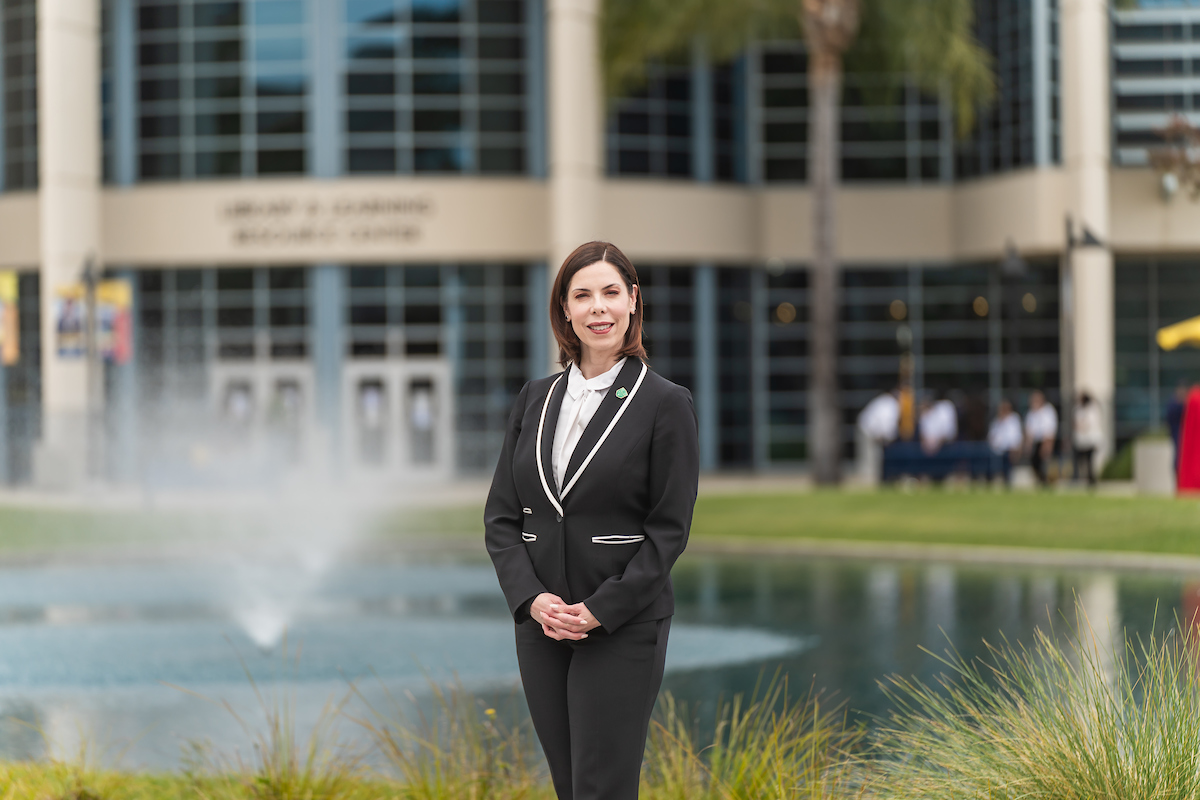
[929,42]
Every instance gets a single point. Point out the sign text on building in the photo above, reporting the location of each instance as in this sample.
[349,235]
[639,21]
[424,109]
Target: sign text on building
[350,219]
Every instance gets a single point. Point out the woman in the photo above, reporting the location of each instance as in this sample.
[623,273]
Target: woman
[1088,435]
[589,508]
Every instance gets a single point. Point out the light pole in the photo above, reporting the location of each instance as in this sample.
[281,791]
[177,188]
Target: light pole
[1066,274]
[1015,268]
[95,373]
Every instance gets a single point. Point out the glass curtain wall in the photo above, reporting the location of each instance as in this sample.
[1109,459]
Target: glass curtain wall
[188,318]
[972,334]
[227,87]
[436,86]
[887,135]
[650,132]
[18,79]
[1150,294]
[221,88]
[23,382]
[685,122]
[1156,73]
[1022,37]
[475,315]
[668,324]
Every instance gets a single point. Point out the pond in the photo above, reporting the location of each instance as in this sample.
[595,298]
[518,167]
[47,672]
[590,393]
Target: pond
[141,659]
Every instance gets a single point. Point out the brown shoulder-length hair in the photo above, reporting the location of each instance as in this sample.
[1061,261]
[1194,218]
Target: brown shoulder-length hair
[569,347]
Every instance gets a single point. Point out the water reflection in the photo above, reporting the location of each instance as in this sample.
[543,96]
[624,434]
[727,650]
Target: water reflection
[86,648]
[874,619]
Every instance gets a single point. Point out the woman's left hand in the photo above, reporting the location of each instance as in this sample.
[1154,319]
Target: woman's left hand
[574,618]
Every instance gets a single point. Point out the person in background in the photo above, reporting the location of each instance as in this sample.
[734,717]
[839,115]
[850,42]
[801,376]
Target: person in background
[1041,429]
[880,420]
[1087,435]
[938,424]
[878,426]
[1175,414]
[1005,435]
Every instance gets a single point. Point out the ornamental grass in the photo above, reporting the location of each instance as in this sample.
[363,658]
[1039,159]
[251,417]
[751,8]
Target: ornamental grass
[1057,720]
[1064,718]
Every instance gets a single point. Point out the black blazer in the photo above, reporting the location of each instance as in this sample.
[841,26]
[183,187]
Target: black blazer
[624,513]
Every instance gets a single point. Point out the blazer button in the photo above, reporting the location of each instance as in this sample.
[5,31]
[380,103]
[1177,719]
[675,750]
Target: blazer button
[559,517]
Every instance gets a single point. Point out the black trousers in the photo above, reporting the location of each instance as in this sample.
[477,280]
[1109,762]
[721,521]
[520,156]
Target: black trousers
[1039,464]
[591,701]
[1083,463]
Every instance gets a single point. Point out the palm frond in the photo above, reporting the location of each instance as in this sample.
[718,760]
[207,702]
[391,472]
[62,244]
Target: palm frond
[637,32]
[931,42]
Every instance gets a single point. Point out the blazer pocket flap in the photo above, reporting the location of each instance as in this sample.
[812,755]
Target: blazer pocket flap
[616,538]
[528,537]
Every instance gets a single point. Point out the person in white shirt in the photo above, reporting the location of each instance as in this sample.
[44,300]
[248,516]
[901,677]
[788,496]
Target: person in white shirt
[939,425]
[1041,429]
[1005,435]
[880,420]
[1088,434]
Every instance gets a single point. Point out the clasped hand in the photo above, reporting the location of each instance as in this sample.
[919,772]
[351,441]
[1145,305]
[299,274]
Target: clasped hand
[561,620]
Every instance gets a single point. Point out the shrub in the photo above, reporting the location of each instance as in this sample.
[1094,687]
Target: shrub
[1062,721]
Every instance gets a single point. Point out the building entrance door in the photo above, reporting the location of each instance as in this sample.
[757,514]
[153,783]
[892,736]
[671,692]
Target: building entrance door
[398,418]
[264,412]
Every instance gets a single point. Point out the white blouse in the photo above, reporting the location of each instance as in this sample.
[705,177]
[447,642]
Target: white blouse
[578,407]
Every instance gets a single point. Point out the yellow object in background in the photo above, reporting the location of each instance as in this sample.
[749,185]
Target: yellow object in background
[1179,334]
[10,328]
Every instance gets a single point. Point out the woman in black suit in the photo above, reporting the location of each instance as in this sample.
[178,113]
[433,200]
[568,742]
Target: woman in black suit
[589,508]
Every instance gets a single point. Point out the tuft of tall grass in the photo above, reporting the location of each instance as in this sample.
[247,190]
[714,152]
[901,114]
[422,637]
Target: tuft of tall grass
[463,749]
[284,764]
[1074,720]
[767,747]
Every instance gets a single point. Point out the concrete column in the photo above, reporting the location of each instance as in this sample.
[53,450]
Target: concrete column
[1041,82]
[68,41]
[327,301]
[1086,152]
[576,124]
[535,91]
[123,79]
[325,99]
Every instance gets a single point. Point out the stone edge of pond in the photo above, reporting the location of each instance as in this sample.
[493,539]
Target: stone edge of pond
[460,544]
[956,554]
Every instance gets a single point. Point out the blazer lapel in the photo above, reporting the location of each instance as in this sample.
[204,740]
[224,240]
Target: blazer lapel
[609,406]
[550,424]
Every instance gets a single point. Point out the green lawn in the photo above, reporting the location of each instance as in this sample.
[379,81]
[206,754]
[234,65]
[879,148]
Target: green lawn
[1083,522]
[1151,525]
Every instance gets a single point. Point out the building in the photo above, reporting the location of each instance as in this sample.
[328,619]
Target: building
[339,216]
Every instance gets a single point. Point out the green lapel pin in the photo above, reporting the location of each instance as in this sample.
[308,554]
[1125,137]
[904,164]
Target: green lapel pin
[621,393]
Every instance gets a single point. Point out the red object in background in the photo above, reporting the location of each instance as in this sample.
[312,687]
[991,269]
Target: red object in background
[1191,606]
[122,342]
[1189,446]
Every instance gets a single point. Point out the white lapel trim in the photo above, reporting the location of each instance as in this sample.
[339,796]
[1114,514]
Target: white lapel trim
[538,444]
[607,431]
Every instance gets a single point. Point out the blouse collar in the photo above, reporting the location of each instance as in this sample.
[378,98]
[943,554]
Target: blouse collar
[576,383]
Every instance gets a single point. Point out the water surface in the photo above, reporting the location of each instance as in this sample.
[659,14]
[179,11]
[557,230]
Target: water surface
[142,659]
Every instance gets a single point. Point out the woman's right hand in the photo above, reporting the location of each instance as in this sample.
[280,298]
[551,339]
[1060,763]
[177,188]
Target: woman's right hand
[542,605]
